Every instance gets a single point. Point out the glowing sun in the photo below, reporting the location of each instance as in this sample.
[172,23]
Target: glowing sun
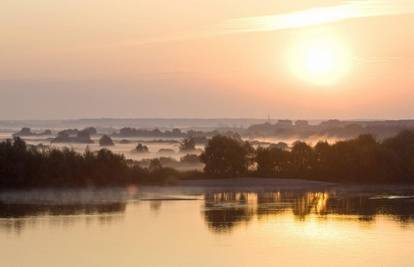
[321,61]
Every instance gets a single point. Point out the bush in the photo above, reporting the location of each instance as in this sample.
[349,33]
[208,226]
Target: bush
[140,148]
[106,141]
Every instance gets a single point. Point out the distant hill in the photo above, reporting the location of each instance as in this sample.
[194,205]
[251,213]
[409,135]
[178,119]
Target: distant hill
[183,123]
[330,128]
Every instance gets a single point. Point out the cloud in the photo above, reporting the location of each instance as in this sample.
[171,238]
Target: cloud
[297,19]
[316,16]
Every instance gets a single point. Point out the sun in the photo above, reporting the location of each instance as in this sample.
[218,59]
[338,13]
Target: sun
[319,60]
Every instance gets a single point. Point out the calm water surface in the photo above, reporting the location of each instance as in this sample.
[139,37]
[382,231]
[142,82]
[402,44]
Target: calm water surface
[172,227]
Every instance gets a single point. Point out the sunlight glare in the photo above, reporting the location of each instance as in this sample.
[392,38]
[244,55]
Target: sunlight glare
[319,60]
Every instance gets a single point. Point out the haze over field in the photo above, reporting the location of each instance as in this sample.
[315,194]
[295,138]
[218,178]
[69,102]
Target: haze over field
[297,59]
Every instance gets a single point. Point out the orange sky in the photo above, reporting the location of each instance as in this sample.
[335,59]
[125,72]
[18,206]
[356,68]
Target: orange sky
[217,58]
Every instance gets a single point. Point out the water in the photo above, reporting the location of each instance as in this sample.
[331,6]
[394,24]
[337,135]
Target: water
[199,227]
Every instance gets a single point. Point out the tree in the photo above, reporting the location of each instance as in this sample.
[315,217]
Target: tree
[322,153]
[106,141]
[271,161]
[90,130]
[190,158]
[301,160]
[155,165]
[188,144]
[402,148]
[140,148]
[226,157]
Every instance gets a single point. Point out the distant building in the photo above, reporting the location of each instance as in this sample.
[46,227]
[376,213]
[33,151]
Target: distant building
[301,123]
[284,123]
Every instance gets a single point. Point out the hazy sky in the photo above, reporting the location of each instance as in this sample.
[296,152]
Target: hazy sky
[216,58]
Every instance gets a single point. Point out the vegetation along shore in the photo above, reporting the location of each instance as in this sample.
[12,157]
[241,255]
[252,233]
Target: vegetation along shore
[362,160]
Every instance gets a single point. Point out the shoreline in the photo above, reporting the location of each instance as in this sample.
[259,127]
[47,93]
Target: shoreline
[227,183]
[189,190]
[253,182]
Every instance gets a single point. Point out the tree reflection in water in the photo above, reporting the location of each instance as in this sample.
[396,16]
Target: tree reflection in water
[224,211]
[16,217]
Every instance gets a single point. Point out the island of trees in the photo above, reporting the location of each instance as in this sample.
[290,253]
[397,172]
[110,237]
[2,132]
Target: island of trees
[25,131]
[360,160]
[75,136]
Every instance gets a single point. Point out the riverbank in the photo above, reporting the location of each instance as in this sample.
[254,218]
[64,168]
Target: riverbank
[193,190]
[254,182]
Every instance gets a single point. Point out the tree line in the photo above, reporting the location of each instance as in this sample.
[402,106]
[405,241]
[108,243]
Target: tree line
[26,166]
[360,160]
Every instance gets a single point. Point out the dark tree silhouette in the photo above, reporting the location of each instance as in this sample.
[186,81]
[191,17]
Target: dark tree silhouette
[226,157]
[300,160]
[24,166]
[140,148]
[188,144]
[190,158]
[359,160]
[106,141]
[271,161]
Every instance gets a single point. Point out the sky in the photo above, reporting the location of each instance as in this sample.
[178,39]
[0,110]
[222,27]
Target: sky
[206,59]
